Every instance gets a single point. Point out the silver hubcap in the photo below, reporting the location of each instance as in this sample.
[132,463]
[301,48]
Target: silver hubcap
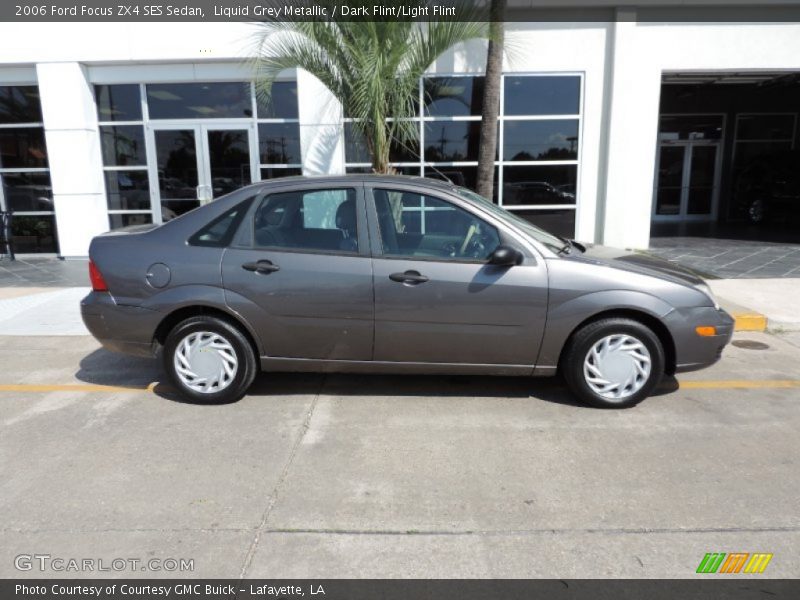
[617,366]
[205,362]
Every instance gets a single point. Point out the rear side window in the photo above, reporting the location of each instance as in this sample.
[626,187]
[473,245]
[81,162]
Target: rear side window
[221,230]
[308,220]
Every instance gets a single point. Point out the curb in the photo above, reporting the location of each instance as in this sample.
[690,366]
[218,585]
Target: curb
[745,319]
[749,321]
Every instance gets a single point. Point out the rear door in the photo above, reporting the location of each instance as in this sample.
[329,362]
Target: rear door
[436,299]
[300,273]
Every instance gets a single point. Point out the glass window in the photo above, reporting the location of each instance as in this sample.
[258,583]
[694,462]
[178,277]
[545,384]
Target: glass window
[199,100]
[452,141]
[532,185]
[127,190]
[22,148]
[118,102]
[273,172]
[542,95]
[541,140]
[765,127]
[355,148]
[461,176]
[20,104]
[559,222]
[123,145]
[453,96]
[279,143]
[28,192]
[221,230]
[34,234]
[282,101]
[690,127]
[117,221]
[311,220]
[414,225]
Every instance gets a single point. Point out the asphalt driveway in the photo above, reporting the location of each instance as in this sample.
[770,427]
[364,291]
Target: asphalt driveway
[369,476]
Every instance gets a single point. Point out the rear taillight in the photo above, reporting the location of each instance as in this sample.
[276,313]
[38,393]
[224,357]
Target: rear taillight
[98,283]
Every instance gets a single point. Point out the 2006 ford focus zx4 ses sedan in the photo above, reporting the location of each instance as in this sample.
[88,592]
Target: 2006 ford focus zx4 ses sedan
[385,274]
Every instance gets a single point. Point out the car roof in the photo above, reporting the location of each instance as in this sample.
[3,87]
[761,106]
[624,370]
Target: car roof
[362,178]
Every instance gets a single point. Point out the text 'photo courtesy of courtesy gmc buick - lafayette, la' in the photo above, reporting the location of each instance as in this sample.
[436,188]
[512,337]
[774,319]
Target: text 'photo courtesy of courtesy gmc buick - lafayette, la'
[391,274]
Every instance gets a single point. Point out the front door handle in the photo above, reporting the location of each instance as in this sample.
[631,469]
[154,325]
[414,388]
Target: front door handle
[264,267]
[412,277]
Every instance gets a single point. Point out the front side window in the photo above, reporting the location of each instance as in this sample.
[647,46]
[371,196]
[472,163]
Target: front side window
[415,225]
[308,220]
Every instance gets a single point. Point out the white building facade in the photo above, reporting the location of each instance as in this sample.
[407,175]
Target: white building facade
[104,125]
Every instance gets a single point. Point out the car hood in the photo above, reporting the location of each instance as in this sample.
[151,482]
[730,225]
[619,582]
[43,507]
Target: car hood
[636,262]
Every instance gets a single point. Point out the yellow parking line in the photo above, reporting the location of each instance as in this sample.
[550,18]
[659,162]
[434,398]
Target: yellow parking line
[76,387]
[739,384]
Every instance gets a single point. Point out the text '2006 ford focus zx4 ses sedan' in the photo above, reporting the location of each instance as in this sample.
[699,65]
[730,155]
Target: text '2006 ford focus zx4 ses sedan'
[392,275]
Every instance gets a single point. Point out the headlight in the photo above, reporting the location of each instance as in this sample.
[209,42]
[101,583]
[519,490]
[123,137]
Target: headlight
[703,287]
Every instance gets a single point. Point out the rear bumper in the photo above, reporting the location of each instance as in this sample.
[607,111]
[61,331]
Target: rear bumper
[125,329]
[693,351]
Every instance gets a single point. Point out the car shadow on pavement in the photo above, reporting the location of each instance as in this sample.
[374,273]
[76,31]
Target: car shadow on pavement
[102,367]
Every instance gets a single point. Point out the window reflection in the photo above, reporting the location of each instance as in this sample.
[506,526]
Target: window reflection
[199,100]
[128,190]
[118,102]
[539,185]
[34,234]
[542,95]
[282,101]
[123,145]
[28,192]
[453,96]
[20,104]
[22,148]
[541,140]
[118,221]
[451,141]
[279,143]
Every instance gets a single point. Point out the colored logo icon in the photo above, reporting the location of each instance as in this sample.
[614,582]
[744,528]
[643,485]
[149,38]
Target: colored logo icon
[734,562]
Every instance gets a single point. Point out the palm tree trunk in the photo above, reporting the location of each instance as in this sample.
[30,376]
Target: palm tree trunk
[491,101]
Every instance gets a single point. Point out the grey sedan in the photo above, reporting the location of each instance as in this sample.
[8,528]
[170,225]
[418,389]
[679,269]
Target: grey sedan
[384,274]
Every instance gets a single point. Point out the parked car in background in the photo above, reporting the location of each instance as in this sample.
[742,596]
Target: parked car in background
[392,275]
[770,186]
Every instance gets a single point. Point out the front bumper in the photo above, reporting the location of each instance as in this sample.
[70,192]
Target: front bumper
[693,351]
[125,329]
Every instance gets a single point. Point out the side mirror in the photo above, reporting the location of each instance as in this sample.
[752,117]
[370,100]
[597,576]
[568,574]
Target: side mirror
[505,256]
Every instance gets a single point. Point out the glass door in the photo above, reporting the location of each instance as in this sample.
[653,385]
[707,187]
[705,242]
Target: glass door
[687,181]
[196,163]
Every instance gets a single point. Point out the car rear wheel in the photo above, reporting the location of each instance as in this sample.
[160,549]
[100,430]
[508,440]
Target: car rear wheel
[613,363]
[209,360]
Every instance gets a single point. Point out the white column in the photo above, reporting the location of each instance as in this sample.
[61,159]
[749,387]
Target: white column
[73,150]
[321,131]
[632,136]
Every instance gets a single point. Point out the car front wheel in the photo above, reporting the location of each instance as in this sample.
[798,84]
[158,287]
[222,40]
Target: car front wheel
[209,360]
[613,363]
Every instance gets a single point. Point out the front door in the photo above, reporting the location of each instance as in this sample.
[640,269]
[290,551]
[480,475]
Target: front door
[302,275]
[436,299]
[196,163]
[687,182]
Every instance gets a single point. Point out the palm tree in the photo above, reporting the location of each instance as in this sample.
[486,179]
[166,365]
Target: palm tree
[491,101]
[372,68]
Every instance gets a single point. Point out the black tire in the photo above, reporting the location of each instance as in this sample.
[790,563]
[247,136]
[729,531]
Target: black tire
[245,371]
[582,342]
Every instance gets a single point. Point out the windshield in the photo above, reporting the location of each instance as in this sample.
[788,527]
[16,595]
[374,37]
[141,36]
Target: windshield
[554,243]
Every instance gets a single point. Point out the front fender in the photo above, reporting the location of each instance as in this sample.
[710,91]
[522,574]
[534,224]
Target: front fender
[564,316]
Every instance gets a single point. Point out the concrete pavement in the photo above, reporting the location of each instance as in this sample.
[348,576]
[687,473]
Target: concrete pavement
[367,476]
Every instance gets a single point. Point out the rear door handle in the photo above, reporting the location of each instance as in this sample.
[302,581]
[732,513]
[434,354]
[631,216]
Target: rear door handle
[412,277]
[264,267]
